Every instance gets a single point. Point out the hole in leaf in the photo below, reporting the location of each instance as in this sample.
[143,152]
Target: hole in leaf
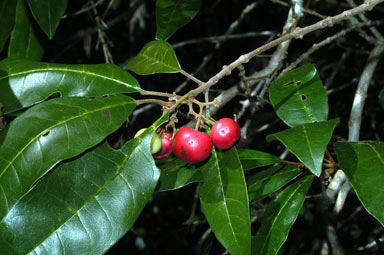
[298,83]
[303,97]
[106,95]
[46,132]
[289,83]
[105,112]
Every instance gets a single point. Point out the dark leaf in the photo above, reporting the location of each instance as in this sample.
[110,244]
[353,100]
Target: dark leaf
[308,142]
[271,180]
[251,159]
[85,205]
[363,164]
[48,14]
[155,57]
[299,97]
[7,14]
[280,215]
[24,83]
[52,131]
[24,40]
[173,14]
[176,173]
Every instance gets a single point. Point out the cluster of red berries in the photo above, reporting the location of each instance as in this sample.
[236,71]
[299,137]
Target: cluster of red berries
[194,146]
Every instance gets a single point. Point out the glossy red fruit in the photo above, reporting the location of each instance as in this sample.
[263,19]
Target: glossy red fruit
[191,145]
[225,133]
[166,146]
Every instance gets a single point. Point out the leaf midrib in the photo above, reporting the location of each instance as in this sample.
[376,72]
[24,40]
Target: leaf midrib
[118,172]
[309,146]
[225,202]
[279,173]
[277,215]
[67,71]
[159,62]
[53,126]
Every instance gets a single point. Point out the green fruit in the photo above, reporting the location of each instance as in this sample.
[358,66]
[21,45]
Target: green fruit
[156,141]
[155,144]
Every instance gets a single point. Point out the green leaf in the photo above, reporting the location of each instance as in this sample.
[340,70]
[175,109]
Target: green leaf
[99,196]
[48,14]
[155,57]
[363,164]
[251,159]
[173,14]
[299,97]
[271,180]
[7,14]
[24,40]
[279,217]
[52,131]
[176,174]
[308,142]
[24,83]
[224,200]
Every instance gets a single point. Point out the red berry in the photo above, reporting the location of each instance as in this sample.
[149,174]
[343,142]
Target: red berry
[166,146]
[191,145]
[225,133]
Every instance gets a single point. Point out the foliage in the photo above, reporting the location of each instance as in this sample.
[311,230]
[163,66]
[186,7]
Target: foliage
[72,182]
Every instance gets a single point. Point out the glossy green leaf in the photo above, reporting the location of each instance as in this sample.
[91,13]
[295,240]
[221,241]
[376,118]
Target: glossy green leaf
[251,159]
[52,131]
[308,142]
[299,97]
[271,180]
[99,196]
[224,200]
[155,57]
[363,164]
[48,14]
[24,40]
[24,83]
[173,14]
[279,217]
[176,173]
[7,14]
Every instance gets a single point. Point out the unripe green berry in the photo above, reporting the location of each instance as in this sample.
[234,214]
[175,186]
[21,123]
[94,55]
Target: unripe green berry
[155,143]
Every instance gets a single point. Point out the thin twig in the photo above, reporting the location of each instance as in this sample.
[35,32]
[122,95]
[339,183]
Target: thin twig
[321,44]
[191,77]
[221,38]
[298,33]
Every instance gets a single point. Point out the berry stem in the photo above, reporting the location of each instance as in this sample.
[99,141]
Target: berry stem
[199,117]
